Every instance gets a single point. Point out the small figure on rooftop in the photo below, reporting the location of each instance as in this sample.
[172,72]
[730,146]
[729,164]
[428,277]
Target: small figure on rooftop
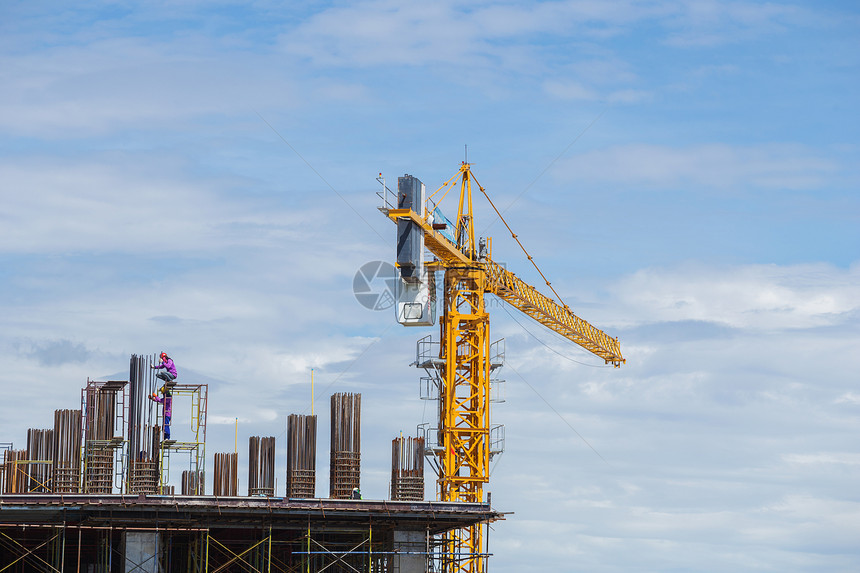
[356,493]
[166,364]
[167,400]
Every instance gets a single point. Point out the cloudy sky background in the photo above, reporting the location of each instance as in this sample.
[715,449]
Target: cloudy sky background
[199,178]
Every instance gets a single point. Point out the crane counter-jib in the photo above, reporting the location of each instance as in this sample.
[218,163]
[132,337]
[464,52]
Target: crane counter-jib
[435,241]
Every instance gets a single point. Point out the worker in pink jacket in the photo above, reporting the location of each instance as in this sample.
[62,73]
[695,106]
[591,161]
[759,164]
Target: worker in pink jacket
[167,400]
[168,374]
[166,364]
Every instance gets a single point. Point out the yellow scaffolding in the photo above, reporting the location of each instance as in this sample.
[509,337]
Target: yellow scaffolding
[196,446]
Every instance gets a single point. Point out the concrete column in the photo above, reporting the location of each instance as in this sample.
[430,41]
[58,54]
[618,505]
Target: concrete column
[141,549]
[411,548]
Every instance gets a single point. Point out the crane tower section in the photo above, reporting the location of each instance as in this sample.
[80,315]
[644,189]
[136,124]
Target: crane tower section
[464,362]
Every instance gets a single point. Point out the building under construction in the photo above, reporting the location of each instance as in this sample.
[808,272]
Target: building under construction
[94,494]
[131,519]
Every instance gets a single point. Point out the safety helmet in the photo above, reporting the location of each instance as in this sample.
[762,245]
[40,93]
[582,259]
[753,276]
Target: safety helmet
[163,355]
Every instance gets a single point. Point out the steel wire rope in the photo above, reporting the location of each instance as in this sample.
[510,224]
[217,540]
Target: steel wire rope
[521,325]
[323,179]
[514,236]
[557,413]
[342,198]
[345,370]
[445,194]
[550,164]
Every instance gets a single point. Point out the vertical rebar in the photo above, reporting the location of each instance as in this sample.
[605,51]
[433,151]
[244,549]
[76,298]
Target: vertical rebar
[192,482]
[143,437]
[40,457]
[345,466]
[15,479]
[226,480]
[301,456]
[67,451]
[407,469]
[261,466]
[103,405]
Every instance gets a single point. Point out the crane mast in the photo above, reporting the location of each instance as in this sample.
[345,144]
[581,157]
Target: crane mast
[463,455]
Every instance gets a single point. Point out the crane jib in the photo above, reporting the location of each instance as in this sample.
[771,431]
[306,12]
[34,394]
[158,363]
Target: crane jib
[530,301]
[507,286]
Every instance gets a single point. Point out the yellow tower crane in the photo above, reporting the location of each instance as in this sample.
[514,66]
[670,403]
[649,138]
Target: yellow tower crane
[464,359]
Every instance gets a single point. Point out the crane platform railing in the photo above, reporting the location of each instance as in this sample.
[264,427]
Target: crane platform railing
[436,242]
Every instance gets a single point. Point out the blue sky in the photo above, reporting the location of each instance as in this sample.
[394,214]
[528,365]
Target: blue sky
[200,178]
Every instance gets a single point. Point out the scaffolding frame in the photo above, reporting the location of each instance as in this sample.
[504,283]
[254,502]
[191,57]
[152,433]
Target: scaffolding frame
[196,446]
[204,534]
[104,448]
[213,549]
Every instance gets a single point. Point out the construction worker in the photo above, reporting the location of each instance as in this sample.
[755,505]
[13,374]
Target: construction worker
[356,493]
[167,400]
[166,364]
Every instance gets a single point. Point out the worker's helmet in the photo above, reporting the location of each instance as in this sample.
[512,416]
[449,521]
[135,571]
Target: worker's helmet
[163,355]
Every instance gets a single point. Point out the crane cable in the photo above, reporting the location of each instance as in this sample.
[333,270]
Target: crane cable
[514,235]
[548,347]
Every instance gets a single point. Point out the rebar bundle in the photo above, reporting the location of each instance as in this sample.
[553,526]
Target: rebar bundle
[40,455]
[301,456]
[407,469]
[226,474]
[15,480]
[103,404]
[144,472]
[261,466]
[192,482]
[99,474]
[67,451]
[143,477]
[143,435]
[141,419]
[345,466]
[101,410]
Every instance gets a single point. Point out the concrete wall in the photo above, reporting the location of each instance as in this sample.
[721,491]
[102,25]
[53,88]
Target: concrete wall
[141,548]
[411,547]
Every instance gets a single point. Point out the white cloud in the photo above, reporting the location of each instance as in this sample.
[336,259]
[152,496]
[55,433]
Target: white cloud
[756,297]
[454,33]
[118,204]
[385,32]
[101,86]
[570,90]
[849,398]
[707,23]
[721,166]
[824,458]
